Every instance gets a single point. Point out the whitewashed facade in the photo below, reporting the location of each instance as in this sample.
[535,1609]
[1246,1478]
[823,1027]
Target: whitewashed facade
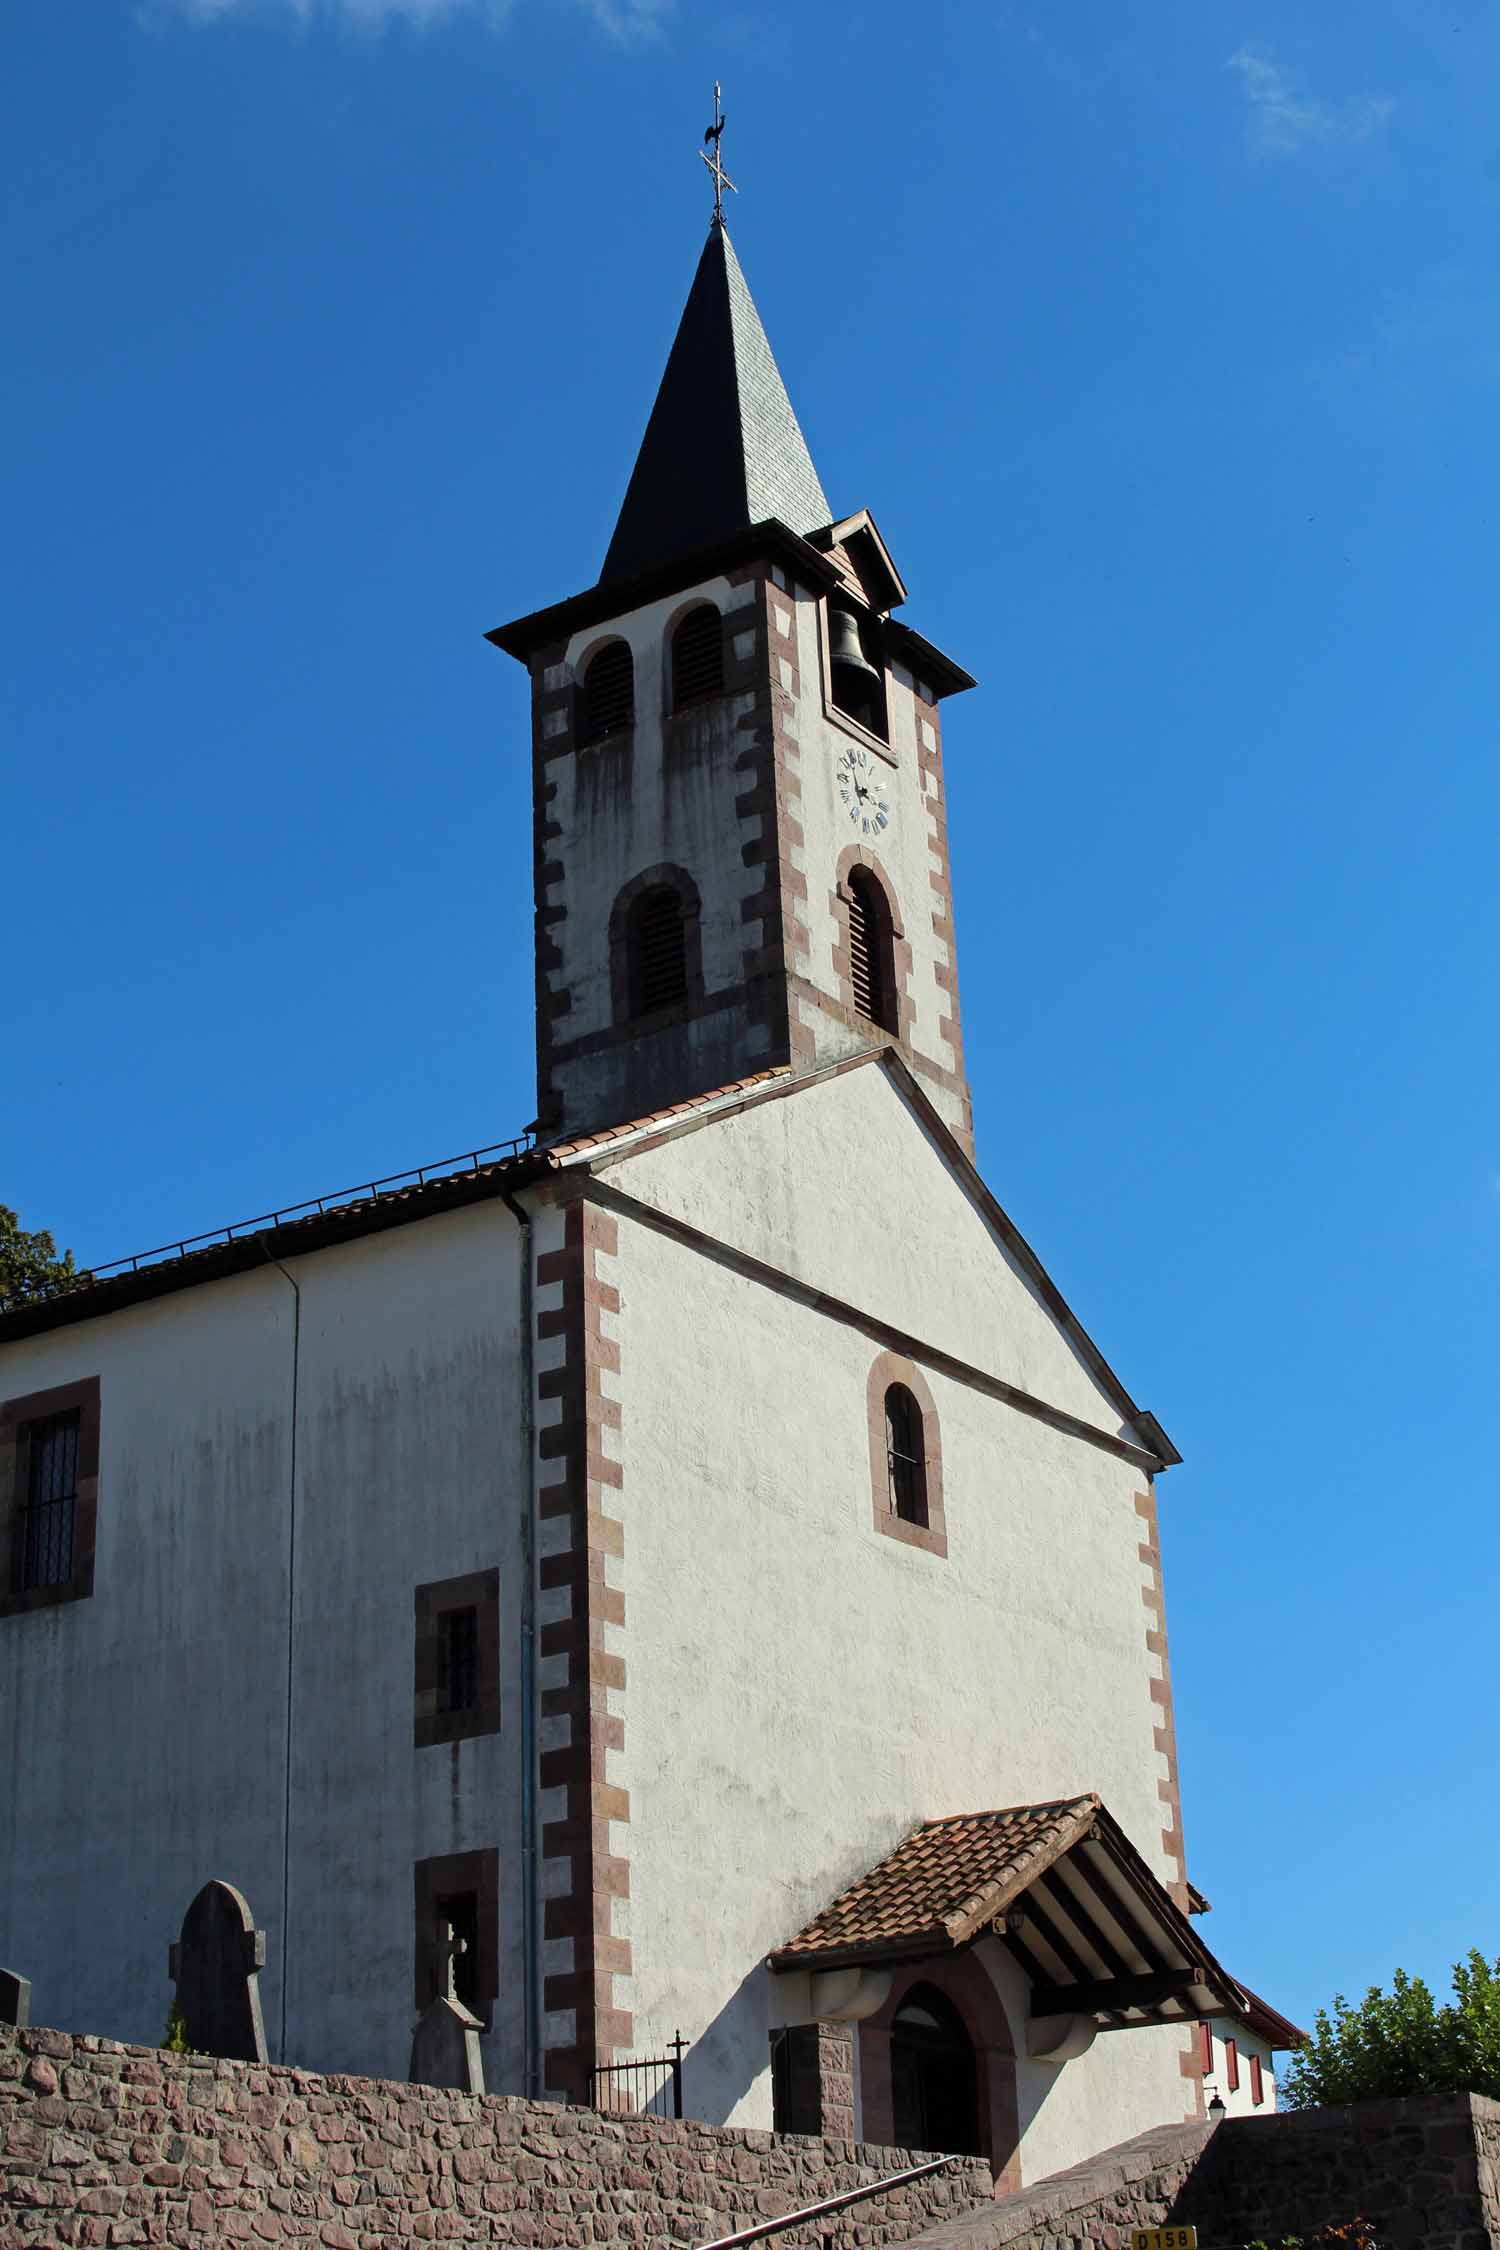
[526,1549]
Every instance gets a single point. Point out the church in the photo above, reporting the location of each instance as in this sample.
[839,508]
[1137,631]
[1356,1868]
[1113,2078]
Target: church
[693,1551]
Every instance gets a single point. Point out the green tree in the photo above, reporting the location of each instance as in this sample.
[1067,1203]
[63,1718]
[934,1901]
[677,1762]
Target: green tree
[1401,2042]
[30,1267]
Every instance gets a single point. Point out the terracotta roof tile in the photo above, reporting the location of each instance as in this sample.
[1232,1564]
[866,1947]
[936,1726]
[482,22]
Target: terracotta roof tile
[410,1194]
[584,1144]
[945,1880]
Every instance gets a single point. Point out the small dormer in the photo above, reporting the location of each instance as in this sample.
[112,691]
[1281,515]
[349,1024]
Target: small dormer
[863,561]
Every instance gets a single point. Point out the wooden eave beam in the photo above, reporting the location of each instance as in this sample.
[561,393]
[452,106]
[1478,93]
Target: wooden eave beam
[1112,1994]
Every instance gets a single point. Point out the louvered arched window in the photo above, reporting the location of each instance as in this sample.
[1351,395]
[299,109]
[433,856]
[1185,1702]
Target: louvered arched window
[658,951]
[905,1455]
[607,702]
[871,961]
[697,658]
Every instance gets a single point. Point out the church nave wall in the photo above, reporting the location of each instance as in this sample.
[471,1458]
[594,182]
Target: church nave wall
[148,1724]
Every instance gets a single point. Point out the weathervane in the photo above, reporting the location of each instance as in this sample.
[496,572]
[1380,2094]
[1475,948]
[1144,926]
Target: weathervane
[715,162]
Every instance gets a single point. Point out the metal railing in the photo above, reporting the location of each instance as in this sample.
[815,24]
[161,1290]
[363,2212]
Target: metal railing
[642,2088]
[812,2211]
[318,1206]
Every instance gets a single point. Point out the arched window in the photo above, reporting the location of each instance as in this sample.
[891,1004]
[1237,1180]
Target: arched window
[905,1456]
[697,658]
[608,699]
[658,951]
[871,959]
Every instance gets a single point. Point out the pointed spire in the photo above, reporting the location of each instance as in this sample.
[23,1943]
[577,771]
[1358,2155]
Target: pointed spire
[722,449]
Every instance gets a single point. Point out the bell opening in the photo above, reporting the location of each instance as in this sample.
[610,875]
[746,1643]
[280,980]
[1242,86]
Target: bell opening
[857,685]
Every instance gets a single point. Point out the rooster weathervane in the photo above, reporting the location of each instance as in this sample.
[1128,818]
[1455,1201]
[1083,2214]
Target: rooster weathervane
[715,162]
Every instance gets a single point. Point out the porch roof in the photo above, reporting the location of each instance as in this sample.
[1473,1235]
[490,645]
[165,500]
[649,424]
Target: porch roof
[1060,1885]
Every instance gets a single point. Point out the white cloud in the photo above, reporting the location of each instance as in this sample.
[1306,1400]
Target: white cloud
[1281,117]
[626,21]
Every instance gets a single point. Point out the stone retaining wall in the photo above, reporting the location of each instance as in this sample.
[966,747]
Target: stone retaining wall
[105,2144]
[1420,2171]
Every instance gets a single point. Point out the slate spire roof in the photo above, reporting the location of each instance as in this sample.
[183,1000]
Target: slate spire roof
[722,449]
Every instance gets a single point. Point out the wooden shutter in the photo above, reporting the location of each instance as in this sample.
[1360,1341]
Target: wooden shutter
[659,966]
[608,693]
[697,658]
[867,962]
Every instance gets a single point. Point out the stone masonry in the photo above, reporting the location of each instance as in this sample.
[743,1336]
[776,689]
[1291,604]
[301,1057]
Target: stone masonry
[107,2144]
[1420,2171]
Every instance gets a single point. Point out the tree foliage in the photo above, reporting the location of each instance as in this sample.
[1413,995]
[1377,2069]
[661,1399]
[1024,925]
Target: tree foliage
[30,1267]
[1401,2042]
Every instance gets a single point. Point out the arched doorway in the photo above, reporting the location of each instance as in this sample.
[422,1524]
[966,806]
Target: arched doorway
[934,2076]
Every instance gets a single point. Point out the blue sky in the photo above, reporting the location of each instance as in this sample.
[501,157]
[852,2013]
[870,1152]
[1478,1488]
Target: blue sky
[1163,342]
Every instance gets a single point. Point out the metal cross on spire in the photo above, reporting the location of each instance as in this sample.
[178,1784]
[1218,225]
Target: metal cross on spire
[715,162]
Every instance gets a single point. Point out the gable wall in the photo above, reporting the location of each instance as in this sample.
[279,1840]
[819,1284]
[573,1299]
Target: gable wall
[802,1690]
[841,1185]
[145,1728]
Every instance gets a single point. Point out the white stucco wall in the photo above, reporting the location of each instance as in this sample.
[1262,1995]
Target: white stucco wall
[840,1186]
[803,1690]
[146,1727]
[903,848]
[620,809]
[1239,2100]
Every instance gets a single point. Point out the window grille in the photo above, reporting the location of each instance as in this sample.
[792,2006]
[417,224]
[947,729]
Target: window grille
[658,951]
[608,693]
[458,1659]
[869,951]
[697,658]
[905,1455]
[44,1531]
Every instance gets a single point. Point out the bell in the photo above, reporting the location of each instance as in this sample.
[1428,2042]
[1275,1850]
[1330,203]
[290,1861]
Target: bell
[844,647]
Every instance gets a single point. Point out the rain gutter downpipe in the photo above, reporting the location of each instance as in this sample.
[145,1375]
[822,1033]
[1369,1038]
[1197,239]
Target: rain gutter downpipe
[530,1866]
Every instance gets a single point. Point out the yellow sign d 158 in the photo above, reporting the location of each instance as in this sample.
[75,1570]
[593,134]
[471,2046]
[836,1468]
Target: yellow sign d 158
[1164,2238]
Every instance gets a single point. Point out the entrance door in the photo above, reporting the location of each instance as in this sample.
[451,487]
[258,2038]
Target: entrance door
[934,2078]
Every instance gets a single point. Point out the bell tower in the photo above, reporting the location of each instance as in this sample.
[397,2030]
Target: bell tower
[741,850]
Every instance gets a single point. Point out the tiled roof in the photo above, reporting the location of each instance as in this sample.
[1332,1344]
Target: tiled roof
[722,449]
[946,1880]
[587,1144]
[1061,1887]
[1276,2029]
[308,1226]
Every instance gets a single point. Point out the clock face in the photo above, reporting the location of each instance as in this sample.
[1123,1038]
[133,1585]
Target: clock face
[862,785]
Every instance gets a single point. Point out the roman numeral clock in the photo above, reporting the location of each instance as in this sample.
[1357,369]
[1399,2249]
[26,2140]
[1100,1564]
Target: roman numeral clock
[863,788]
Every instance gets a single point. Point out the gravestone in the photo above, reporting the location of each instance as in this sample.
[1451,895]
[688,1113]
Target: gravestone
[214,1965]
[15,1999]
[445,2044]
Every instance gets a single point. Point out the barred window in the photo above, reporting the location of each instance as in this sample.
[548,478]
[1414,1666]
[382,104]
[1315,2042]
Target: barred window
[608,700]
[697,658]
[658,951]
[871,967]
[44,1527]
[905,1455]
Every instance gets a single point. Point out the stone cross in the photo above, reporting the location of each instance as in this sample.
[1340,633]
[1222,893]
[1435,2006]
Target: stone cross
[451,1949]
[214,1965]
[15,1999]
[445,2044]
